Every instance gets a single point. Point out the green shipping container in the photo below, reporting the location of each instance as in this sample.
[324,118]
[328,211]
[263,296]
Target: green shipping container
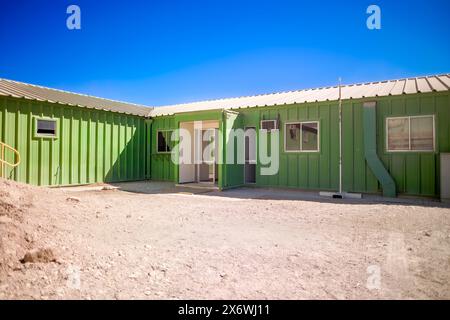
[89,146]
[415,173]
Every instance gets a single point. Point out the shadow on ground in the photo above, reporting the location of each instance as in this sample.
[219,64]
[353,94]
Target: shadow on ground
[160,187]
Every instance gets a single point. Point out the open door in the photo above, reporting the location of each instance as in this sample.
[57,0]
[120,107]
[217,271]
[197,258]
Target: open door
[207,169]
[186,169]
[250,155]
[199,144]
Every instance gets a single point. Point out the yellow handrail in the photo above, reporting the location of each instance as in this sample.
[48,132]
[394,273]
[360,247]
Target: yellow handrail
[3,162]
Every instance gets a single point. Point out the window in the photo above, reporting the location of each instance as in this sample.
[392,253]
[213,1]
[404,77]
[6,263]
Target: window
[414,133]
[164,144]
[46,127]
[309,136]
[301,136]
[293,137]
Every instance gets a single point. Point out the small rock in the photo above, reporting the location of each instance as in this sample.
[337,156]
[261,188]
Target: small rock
[128,215]
[108,188]
[28,237]
[147,293]
[18,267]
[427,233]
[39,256]
[73,199]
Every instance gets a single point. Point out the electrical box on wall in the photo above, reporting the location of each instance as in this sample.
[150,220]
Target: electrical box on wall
[445,177]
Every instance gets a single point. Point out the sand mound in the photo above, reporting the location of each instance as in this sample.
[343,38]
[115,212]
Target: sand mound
[16,201]
[15,198]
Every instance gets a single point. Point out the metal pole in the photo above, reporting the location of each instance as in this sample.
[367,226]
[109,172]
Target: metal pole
[340,136]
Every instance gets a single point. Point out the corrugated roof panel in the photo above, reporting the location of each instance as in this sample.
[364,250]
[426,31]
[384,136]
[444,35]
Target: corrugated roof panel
[328,94]
[305,96]
[446,80]
[292,97]
[278,98]
[19,92]
[398,87]
[375,90]
[410,86]
[385,88]
[357,91]
[422,85]
[351,92]
[364,90]
[29,91]
[436,84]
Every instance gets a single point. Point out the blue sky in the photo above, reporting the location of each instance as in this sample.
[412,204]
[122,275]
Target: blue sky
[164,52]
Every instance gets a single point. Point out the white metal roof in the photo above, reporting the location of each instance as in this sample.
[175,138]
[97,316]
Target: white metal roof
[356,91]
[29,91]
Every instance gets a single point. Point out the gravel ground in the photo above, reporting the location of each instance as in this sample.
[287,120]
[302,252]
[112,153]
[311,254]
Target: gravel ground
[154,241]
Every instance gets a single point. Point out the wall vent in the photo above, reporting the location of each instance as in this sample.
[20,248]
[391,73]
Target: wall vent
[269,125]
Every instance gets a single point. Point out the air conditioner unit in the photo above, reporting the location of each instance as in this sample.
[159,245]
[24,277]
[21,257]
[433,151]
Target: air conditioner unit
[269,125]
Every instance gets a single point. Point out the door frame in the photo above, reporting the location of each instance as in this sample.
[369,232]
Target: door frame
[245,149]
[199,140]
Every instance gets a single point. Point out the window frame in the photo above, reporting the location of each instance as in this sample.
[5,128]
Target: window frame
[409,150]
[157,141]
[301,136]
[45,135]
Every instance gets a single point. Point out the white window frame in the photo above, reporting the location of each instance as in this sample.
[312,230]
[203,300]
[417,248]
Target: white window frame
[409,133]
[301,136]
[45,135]
[157,141]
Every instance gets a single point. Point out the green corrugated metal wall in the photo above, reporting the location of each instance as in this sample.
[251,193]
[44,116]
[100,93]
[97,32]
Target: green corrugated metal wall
[162,168]
[95,146]
[91,145]
[233,175]
[415,173]
[308,170]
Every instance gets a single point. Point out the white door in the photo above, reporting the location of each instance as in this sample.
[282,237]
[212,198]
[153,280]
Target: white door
[187,169]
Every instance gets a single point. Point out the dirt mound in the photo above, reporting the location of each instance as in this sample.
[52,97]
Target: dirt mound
[16,201]
[39,256]
[15,198]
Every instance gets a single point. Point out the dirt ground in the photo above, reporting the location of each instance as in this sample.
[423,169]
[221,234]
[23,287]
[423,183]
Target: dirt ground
[154,241]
